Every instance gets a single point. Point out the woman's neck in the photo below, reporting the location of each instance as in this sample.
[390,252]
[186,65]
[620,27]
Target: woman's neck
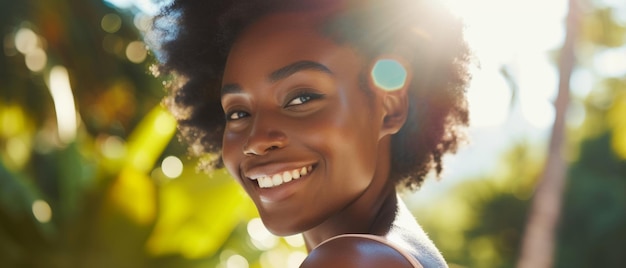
[372,213]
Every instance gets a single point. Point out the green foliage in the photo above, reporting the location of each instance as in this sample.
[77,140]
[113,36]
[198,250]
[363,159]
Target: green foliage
[103,200]
[107,197]
[601,28]
[593,228]
[480,222]
[483,218]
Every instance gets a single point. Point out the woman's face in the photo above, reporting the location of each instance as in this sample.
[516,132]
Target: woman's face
[302,137]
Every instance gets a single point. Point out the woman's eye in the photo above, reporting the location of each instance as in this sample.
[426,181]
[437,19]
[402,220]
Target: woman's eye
[303,98]
[236,115]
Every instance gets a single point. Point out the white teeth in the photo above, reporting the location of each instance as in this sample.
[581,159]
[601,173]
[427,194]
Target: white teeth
[277,179]
[280,178]
[286,176]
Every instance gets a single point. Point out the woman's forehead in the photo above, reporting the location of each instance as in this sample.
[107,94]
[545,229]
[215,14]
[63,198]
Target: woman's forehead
[278,40]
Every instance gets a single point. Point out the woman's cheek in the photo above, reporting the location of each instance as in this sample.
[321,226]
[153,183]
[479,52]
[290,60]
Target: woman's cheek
[230,153]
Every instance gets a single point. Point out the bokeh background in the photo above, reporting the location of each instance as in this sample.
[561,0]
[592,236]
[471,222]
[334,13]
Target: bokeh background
[92,174]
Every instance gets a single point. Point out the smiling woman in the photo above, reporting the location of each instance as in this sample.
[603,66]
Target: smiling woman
[293,96]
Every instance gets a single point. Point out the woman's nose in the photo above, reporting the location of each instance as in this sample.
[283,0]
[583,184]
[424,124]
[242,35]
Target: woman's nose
[265,135]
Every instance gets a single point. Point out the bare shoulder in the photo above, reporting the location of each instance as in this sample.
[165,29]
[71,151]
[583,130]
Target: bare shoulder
[354,251]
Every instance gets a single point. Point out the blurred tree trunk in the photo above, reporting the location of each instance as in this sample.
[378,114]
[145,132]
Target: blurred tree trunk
[539,239]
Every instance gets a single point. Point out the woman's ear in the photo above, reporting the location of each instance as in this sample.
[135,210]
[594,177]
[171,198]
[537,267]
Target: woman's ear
[390,78]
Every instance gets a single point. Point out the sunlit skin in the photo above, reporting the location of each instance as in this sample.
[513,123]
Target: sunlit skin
[293,99]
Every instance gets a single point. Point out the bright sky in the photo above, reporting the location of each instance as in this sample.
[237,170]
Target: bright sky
[517,36]
[146,6]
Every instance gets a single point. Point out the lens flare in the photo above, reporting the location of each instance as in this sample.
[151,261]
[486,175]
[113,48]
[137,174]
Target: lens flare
[389,74]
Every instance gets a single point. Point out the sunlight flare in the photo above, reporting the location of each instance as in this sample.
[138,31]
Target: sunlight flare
[63,103]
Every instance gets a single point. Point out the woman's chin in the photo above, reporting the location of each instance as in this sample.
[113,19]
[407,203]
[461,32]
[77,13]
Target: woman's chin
[282,227]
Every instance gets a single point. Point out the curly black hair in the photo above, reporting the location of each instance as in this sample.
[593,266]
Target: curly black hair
[195,38]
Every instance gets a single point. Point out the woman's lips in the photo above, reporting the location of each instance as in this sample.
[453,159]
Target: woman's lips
[273,180]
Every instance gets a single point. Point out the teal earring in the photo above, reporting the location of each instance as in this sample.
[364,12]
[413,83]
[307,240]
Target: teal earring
[389,74]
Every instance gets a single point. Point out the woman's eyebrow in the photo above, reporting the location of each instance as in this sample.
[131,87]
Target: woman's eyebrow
[231,89]
[281,73]
[295,67]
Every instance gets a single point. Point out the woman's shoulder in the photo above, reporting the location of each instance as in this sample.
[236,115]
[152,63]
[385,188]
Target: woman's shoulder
[359,250]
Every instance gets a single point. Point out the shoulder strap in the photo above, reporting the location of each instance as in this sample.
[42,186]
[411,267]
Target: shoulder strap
[414,262]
